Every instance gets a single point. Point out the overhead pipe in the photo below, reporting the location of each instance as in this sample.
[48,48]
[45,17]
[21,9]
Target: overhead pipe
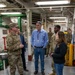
[55,6]
[39,7]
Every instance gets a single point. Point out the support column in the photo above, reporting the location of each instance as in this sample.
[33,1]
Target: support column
[45,23]
[42,22]
[19,23]
[66,23]
[29,22]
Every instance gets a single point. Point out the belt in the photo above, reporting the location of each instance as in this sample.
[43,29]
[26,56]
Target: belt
[38,47]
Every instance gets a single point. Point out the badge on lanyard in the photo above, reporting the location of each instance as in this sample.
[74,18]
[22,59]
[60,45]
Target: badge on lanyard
[37,40]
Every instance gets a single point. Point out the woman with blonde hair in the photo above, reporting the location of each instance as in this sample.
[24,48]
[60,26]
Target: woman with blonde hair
[59,53]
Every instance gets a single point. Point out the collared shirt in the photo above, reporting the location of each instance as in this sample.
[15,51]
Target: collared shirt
[39,38]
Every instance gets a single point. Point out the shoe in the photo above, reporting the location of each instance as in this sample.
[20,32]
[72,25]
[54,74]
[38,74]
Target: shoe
[46,55]
[43,73]
[35,72]
[21,74]
[52,74]
[26,70]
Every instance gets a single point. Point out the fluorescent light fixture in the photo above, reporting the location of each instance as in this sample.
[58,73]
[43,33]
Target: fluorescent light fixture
[60,21]
[2,5]
[6,13]
[50,8]
[52,2]
[57,17]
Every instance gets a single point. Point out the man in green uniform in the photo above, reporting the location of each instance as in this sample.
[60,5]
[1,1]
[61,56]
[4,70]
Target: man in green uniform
[14,46]
[49,37]
[53,44]
[69,35]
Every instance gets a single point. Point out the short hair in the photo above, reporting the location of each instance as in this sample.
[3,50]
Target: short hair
[39,22]
[49,27]
[58,26]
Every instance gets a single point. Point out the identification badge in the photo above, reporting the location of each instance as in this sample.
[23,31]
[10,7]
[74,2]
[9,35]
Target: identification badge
[37,40]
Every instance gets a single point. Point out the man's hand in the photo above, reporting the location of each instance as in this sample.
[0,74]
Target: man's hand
[21,45]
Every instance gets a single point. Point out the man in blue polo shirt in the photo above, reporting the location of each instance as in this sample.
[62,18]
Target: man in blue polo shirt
[39,41]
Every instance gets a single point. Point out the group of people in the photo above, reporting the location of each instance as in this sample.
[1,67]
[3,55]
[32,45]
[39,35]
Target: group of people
[58,48]
[39,41]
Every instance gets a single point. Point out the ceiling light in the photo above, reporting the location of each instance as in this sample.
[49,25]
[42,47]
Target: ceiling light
[52,2]
[6,13]
[57,17]
[2,5]
[59,21]
[50,8]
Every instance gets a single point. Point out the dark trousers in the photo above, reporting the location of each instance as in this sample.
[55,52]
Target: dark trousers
[23,59]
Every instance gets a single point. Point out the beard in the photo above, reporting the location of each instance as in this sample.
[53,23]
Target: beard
[55,32]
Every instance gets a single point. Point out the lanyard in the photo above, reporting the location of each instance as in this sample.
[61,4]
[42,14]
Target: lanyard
[38,33]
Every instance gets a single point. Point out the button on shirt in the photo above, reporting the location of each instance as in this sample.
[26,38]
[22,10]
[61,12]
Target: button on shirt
[39,38]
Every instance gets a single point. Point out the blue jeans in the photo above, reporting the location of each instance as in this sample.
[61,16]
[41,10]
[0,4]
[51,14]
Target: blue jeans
[39,52]
[59,68]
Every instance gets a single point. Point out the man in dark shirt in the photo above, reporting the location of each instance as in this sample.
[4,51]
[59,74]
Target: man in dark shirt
[23,49]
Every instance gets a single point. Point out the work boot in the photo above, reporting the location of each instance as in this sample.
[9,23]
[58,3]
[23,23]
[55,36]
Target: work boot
[52,74]
[42,73]
[36,72]
[21,74]
[26,70]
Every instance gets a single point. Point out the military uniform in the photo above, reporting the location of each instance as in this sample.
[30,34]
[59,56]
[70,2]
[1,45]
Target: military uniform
[68,37]
[53,44]
[48,46]
[14,53]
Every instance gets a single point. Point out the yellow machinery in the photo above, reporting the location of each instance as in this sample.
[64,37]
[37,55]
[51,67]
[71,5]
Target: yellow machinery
[69,54]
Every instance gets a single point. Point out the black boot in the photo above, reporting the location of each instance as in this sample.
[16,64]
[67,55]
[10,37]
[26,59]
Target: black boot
[42,73]
[35,72]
